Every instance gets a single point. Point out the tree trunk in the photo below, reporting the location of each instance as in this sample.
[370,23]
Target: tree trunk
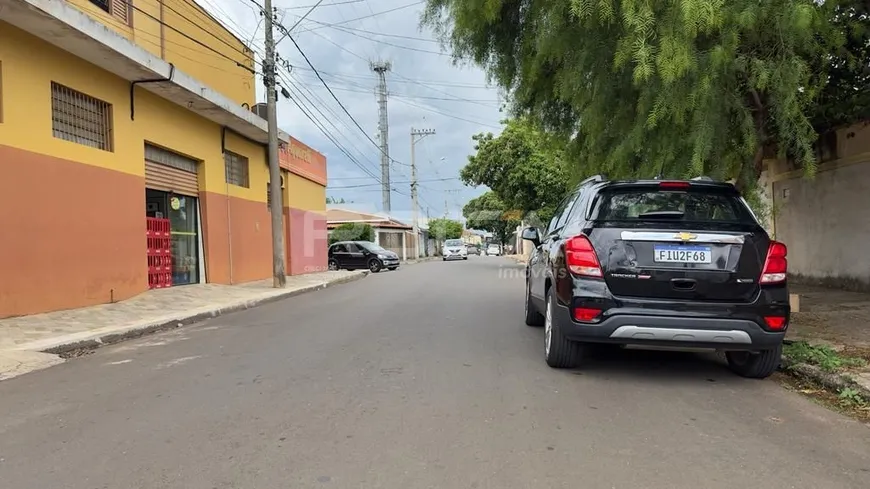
[758,115]
[741,181]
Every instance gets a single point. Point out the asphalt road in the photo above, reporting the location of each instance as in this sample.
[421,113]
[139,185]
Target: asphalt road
[421,378]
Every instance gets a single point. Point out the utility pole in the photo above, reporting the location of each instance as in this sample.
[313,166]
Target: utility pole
[416,135]
[279,279]
[381,68]
[430,231]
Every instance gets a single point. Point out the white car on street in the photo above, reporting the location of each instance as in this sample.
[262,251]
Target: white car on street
[454,249]
[493,250]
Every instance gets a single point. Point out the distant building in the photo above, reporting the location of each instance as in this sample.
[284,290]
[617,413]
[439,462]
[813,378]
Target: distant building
[389,233]
[472,237]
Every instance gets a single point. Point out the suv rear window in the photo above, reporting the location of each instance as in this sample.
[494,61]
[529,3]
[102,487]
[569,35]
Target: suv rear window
[653,204]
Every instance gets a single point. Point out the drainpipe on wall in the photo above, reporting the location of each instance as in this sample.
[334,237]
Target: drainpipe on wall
[773,208]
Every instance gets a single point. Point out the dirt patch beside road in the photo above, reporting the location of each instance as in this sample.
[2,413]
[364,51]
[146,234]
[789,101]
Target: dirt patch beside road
[832,316]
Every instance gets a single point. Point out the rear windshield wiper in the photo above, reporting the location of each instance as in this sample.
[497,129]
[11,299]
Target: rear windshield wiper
[662,214]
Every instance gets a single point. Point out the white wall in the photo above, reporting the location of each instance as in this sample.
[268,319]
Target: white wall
[825,222]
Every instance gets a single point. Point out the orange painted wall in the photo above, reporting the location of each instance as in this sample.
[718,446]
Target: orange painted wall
[237,234]
[302,160]
[73,235]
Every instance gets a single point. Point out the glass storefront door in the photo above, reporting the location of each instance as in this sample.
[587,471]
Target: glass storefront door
[182,212]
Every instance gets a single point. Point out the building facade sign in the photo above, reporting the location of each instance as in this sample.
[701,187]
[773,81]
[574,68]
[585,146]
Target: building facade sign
[299,158]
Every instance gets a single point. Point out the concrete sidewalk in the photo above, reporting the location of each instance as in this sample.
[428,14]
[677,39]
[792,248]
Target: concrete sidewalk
[32,342]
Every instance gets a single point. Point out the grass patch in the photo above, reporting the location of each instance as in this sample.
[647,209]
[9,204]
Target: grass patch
[824,357]
[848,401]
[851,398]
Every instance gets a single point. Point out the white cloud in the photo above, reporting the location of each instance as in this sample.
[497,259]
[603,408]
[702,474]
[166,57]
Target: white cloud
[426,91]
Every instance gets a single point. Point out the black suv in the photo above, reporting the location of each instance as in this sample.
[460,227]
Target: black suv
[352,255]
[658,263]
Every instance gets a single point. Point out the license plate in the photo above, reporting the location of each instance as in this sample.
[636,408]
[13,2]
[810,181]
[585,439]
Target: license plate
[682,254]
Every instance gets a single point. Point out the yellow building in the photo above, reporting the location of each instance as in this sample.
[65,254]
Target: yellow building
[112,113]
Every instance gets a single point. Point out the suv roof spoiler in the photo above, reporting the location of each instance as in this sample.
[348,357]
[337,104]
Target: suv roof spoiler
[593,179]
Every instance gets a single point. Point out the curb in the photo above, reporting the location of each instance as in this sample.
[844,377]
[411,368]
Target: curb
[65,346]
[836,382]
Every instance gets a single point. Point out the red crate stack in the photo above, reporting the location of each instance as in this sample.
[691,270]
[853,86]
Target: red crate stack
[159,253]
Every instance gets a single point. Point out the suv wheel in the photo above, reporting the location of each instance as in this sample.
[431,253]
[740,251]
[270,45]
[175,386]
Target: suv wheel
[533,317]
[754,365]
[560,351]
[374,265]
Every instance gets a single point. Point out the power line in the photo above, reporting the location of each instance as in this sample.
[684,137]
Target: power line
[326,4]
[332,139]
[408,48]
[288,31]
[369,16]
[372,11]
[445,114]
[407,80]
[326,85]
[353,32]
[193,39]
[320,126]
[358,89]
[437,89]
[200,27]
[329,119]
[346,28]
[396,73]
[193,49]
[374,184]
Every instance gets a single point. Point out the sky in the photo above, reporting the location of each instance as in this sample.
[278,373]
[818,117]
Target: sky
[427,91]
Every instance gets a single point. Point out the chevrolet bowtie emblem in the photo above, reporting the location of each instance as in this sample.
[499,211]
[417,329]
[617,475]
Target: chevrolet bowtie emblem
[685,236]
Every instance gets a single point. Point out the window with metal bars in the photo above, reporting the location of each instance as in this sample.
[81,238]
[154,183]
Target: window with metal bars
[236,169]
[119,9]
[103,4]
[80,118]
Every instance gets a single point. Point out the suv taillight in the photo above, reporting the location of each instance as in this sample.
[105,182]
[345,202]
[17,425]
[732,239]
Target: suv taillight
[776,265]
[580,257]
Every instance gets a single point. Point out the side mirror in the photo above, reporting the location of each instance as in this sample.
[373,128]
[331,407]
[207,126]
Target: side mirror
[531,234]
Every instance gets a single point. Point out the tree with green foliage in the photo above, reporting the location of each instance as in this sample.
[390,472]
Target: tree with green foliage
[845,71]
[688,88]
[352,231]
[333,200]
[444,228]
[523,166]
[489,213]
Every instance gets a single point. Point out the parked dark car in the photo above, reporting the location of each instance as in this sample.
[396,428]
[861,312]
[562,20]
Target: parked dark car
[353,255]
[667,263]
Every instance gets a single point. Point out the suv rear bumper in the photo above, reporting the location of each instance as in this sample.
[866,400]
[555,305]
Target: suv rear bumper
[688,332]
